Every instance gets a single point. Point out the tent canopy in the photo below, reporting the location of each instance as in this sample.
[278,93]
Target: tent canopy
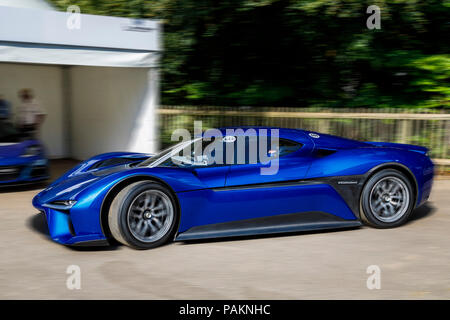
[30,4]
[71,38]
[96,76]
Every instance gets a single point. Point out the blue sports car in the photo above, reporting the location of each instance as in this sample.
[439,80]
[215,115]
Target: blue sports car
[317,181]
[22,161]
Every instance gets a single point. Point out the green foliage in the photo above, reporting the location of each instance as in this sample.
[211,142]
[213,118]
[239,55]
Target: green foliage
[432,75]
[297,52]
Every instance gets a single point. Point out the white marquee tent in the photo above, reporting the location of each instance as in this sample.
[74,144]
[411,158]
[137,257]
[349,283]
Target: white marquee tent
[96,76]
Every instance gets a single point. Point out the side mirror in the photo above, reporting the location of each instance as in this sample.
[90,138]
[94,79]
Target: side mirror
[203,163]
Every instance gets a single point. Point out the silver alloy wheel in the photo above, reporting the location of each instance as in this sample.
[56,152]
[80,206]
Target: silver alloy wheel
[150,215]
[389,199]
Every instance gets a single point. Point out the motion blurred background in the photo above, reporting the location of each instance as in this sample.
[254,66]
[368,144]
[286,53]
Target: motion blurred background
[297,53]
[312,64]
[266,62]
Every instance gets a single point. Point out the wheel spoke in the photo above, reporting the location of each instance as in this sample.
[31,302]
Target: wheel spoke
[384,206]
[157,222]
[136,215]
[139,225]
[394,189]
[147,200]
[154,199]
[391,209]
[144,228]
[152,227]
[159,214]
[378,206]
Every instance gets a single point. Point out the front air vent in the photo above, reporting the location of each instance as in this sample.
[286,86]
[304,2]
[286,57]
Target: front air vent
[71,228]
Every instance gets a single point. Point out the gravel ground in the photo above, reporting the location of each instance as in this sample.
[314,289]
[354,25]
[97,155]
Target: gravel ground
[414,261]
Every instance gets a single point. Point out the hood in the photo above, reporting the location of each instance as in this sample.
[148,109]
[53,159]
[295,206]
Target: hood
[69,188]
[102,162]
[66,189]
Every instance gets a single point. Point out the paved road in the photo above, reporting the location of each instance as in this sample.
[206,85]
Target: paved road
[414,261]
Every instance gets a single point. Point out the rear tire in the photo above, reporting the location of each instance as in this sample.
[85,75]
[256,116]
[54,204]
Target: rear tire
[143,215]
[387,199]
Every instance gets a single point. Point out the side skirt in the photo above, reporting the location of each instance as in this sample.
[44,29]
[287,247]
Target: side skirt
[304,221]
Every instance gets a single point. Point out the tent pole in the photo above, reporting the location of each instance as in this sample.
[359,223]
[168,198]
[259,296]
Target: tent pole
[67,110]
[155,93]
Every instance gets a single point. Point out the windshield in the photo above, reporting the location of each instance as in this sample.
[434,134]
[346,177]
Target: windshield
[164,154]
[7,132]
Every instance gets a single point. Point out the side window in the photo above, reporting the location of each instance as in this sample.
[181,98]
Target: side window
[201,153]
[288,146]
[249,152]
[232,150]
[284,147]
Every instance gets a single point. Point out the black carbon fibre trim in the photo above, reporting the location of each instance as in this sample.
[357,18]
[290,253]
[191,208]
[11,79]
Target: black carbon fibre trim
[304,221]
[289,183]
[348,187]
[91,243]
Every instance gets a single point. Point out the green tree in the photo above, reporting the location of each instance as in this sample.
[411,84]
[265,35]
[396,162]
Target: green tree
[297,52]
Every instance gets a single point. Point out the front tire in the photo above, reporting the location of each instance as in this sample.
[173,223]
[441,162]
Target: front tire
[387,199]
[143,215]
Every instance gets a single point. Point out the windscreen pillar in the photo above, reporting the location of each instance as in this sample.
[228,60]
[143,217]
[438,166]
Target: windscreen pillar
[67,110]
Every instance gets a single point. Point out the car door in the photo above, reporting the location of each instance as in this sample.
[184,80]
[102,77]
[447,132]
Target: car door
[193,157]
[289,163]
[250,194]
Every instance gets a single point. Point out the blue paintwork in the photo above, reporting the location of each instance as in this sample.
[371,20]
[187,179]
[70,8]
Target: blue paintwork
[359,161]
[209,195]
[85,165]
[12,156]
[207,206]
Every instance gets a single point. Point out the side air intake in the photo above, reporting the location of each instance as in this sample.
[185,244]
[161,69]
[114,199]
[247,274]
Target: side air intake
[320,153]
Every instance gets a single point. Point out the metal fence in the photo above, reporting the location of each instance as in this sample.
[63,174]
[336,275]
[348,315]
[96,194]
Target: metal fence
[429,128]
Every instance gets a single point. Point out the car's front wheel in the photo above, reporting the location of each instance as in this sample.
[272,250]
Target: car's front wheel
[143,215]
[387,199]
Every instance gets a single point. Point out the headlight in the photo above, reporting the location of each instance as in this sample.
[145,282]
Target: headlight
[60,205]
[32,151]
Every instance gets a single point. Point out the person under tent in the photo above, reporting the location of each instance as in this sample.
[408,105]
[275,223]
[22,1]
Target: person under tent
[30,114]
[5,110]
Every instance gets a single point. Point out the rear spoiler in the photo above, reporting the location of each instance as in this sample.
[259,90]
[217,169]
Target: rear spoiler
[409,147]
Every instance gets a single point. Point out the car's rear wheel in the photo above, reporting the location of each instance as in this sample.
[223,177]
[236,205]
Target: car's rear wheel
[387,199]
[143,215]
